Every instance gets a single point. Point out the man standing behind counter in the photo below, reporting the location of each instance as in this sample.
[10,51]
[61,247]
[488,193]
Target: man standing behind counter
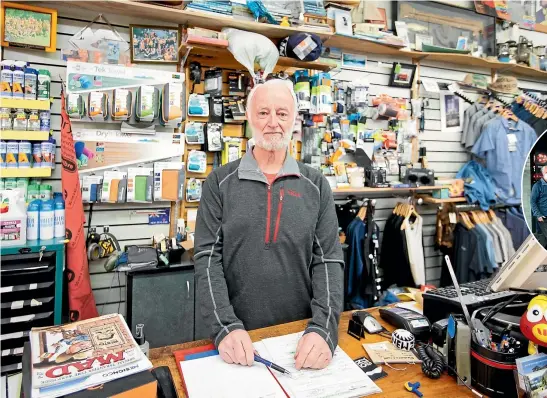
[538,204]
[266,241]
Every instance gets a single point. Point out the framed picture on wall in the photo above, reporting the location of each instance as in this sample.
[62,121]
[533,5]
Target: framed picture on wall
[402,75]
[27,26]
[451,112]
[154,44]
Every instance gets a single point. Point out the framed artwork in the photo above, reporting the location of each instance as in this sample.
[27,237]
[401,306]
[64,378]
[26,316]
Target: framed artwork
[154,44]
[354,61]
[402,75]
[28,26]
[451,112]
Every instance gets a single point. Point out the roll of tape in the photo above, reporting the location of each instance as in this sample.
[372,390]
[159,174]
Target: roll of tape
[403,339]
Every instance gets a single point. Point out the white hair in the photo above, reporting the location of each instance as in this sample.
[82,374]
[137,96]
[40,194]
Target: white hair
[273,83]
[544,170]
[286,139]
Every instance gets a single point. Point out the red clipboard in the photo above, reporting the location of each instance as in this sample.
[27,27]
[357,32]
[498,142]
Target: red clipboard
[181,355]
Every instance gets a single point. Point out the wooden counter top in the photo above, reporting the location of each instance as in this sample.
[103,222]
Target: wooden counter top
[392,385]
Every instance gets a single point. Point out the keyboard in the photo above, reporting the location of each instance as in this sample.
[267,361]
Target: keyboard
[439,303]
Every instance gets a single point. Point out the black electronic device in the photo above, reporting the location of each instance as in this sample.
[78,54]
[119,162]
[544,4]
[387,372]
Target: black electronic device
[419,177]
[440,303]
[402,318]
[371,325]
[438,332]
[166,385]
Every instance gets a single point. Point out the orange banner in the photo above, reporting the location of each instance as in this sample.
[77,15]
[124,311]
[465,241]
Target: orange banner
[81,302]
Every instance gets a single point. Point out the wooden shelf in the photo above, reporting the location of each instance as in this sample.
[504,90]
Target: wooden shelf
[430,199]
[275,32]
[178,16]
[42,105]
[354,191]
[24,135]
[30,172]
[225,55]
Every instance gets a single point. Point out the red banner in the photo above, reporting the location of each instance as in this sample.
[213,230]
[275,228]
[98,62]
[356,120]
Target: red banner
[81,302]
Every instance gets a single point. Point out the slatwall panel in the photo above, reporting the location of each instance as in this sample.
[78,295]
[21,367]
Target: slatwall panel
[129,221]
[445,153]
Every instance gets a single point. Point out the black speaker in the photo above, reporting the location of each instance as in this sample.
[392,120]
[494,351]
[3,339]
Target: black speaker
[163,300]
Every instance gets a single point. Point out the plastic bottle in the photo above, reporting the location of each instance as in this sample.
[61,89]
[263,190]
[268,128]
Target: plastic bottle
[20,120]
[31,83]
[22,185]
[25,154]
[45,121]
[5,119]
[14,219]
[3,150]
[37,155]
[33,220]
[11,183]
[47,217]
[44,84]
[6,79]
[46,192]
[33,192]
[18,86]
[33,122]
[12,154]
[53,148]
[59,222]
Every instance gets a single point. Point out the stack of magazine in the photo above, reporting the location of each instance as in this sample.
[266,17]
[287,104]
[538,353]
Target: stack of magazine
[532,375]
[72,357]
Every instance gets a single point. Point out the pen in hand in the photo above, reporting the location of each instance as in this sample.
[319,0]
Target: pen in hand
[272,365]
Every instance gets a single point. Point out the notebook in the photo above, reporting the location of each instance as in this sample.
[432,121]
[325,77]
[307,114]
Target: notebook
[205,374]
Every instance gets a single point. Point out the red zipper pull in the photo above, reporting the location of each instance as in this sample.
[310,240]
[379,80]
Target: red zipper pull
[281,191]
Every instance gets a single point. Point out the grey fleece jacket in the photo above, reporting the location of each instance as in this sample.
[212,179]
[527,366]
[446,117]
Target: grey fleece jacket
[266,255]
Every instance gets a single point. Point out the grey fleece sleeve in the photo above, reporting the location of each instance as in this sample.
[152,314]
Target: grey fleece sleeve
[212,291]
[327,271]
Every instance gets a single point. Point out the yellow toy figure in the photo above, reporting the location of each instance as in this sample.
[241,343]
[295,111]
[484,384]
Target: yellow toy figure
[533,324]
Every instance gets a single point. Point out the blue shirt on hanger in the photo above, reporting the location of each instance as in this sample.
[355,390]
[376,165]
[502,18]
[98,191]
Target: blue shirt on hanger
[505,148]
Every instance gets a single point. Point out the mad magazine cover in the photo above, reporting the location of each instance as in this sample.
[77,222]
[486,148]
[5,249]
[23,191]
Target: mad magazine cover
[67,352]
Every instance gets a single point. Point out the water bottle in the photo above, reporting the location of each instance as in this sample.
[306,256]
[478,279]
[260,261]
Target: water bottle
[47,217]
[33,219]
[59,214]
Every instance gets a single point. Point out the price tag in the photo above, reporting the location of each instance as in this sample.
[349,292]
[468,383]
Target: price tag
[512,142]
[452,218]
[430,86]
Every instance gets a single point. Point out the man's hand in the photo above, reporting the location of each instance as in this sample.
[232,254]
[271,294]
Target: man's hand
[237,347]
[540,219]
[312,352]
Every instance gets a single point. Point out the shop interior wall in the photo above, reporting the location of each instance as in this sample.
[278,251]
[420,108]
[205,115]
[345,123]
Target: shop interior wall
[129,222]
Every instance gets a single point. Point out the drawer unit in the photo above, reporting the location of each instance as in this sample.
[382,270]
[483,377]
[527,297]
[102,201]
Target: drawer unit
[30,295]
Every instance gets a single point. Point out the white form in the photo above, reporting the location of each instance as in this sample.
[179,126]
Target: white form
[341,379]
[211,377]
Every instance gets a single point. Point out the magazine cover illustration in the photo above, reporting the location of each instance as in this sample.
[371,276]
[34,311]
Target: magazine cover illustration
[66,352]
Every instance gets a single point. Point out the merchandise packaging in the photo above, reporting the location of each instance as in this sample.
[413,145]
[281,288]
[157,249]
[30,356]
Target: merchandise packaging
[193,190]
[198,105]
[213,82]
[91,188]
[302,89]
[234,110]
[214,137]
[169,181]
[173,97]
[13,226]
[216,111]
[146,104]
[321,94]
[97,105]
[140,183]
[194,133]
[197,162]
[122,104]
[232,150]
[114,187]
[237,83]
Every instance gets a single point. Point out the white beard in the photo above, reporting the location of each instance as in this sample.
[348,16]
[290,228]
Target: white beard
[276,144]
